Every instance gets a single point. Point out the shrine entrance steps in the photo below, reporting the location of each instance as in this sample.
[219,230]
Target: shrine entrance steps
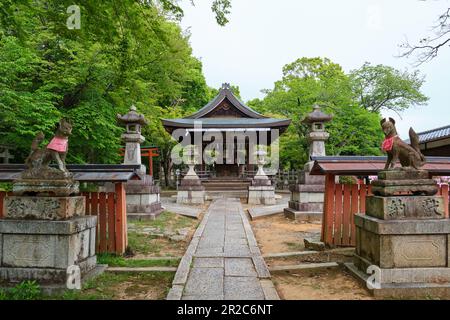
[226,187]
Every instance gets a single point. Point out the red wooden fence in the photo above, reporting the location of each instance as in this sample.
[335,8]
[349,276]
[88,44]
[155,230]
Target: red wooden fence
[110,208]
[342,202]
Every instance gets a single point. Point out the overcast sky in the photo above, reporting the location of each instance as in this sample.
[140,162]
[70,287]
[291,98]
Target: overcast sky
[264,35]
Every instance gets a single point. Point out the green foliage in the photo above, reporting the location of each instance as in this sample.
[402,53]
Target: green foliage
[382,87]
[126,52]
[305,82]
[5,186]
[26,290]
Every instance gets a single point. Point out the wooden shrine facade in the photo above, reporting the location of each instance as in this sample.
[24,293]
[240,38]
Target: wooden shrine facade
[229,127]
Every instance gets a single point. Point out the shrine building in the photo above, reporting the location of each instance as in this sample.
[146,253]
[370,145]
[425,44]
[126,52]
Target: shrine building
[227,116]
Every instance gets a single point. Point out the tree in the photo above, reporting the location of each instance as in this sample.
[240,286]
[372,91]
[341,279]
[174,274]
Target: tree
[126,52]
[382,87]
[429,46]
[307,81]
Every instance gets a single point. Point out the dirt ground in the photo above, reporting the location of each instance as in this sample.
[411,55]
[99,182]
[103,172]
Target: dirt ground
[319,284]
[278,234]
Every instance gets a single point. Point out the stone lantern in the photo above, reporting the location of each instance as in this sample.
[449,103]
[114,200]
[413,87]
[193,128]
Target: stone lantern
[307,195]
[317,134]
[143,197]
[133,121]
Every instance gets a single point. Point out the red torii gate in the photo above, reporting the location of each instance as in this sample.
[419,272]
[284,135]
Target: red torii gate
[146,151]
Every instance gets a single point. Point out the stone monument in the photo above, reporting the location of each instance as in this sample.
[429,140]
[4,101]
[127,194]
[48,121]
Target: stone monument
[404,236]
[44,231]
[143,196]
[307,196]
[191,190]
[261,190]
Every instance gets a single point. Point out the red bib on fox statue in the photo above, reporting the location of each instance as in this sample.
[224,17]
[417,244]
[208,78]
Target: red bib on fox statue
[388,143]
[58,144]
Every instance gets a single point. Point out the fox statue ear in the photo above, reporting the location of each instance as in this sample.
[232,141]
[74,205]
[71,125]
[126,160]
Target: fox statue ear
[382,121]
[392,120]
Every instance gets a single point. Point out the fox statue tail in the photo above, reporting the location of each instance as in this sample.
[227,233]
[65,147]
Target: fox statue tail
[37,141]
[414,139]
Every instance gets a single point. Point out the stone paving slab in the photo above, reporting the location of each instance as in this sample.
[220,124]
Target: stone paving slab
[184,210]
[258,212]
[242,267]
[208,263]
[204,281]
[242,288]
[223,260]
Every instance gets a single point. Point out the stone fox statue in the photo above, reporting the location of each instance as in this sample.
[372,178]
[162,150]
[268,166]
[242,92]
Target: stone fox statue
[56,150]
[409,156]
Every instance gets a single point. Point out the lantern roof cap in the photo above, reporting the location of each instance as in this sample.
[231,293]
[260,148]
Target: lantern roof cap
[317,115]
[132,117]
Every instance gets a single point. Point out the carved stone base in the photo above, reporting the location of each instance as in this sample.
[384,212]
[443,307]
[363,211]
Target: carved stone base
[392,182]
[43,208]
[403,243]
[417,283]
[57,187]
[405,207]
[261,195]
[191,196]
[43,250]
[143,199]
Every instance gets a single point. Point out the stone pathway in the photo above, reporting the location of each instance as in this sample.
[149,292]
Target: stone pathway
[223,261]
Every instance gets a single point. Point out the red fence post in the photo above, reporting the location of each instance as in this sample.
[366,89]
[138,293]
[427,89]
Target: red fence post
[121,218]
[346,210]
[111,223]
[328,212]
[102,222]
[338,216]
[354,210]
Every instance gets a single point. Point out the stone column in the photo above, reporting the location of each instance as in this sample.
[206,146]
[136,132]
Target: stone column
[404,239]
[143,197]
[307,195]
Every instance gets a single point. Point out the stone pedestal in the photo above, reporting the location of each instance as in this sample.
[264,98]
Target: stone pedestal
[307,198]
[40,237]
[261,191]
[191,190]
[143,199]
[407,237]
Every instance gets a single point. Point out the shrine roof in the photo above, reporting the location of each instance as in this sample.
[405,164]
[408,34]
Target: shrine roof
[227,122]
[367,166]
[225,93]
[226,111]
[81,172]
[434,134]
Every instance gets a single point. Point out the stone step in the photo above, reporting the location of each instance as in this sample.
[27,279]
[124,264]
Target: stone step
[303,266]
[288,254]
[141,269]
